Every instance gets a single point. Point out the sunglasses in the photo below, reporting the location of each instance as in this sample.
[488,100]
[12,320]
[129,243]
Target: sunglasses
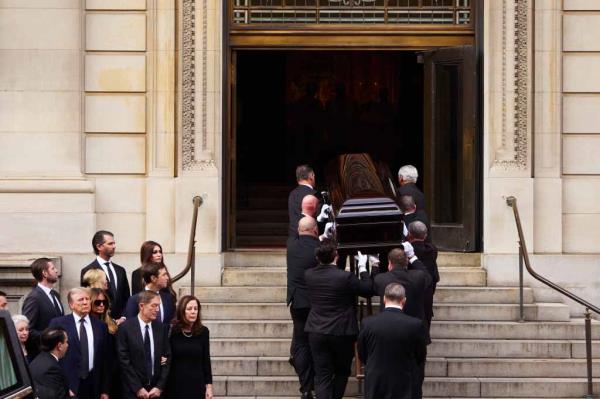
[99,302]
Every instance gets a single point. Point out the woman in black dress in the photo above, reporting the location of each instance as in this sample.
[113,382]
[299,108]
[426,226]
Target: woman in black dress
[190,375]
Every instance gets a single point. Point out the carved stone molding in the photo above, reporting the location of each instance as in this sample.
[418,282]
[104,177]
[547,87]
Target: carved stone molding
[195,152]
[513,153]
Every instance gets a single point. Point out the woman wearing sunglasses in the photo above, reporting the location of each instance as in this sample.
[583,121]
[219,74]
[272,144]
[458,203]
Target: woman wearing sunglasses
[101,310]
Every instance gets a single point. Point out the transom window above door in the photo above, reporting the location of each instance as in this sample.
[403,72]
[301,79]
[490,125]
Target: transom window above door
[355,12]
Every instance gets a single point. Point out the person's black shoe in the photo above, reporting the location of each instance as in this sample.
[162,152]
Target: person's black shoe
[291,361]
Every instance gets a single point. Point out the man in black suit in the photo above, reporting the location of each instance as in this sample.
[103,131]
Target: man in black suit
[332,323]
[3,301]
[42,304]
[49,379]
[406,269]
[104,246]
[390,344]
[410,213]
[427,253]
[143,350]
[156,278]
[305,176]
[407,178]
[301,257]
[85,363]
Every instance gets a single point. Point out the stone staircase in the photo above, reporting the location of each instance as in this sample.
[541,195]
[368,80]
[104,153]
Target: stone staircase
[478,349]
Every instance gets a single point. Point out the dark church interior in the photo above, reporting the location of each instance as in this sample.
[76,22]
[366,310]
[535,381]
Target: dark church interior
[295,107]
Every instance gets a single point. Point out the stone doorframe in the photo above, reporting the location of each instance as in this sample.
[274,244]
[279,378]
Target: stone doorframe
[522,113]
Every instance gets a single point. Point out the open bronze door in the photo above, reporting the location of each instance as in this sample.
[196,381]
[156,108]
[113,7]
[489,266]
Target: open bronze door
[451,158]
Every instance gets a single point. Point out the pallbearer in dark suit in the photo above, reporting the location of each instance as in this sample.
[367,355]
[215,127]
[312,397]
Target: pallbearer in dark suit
[305,176]
[42,304]
[144,351]
[427,253]
[104,246]
[49,379]
[156,277]
[332,323]
[406,269]
[410,214]
[85,363]
[301,257]
[407,178]
[390,344]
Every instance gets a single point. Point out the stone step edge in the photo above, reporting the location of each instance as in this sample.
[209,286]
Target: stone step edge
[435,379]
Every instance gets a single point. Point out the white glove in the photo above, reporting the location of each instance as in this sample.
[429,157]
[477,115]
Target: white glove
[362,262]
[408,249]
[325,210]
[328,233]
[374,260]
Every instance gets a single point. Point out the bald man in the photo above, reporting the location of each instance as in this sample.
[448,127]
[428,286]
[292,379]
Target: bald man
[309,205]
[301,257]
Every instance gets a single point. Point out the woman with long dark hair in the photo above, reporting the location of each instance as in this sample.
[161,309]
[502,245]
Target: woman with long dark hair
[190,375]
[150,252]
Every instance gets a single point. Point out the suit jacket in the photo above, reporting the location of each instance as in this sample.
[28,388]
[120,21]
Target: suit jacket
[117,302]
[49,379]
[415,281]
[392,345]
[39,310]
[300,257]
[71,363]
[332,294]
[137,284]
[295,207]
[130,348]
[427,254]
[132,308]
[421,216]
[414,191]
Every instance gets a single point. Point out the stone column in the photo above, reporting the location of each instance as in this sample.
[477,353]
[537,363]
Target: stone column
[199,151]
[507,165]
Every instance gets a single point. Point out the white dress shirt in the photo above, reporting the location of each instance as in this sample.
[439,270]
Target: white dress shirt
[143,329]
[90,336]
[112,269]
[49,295]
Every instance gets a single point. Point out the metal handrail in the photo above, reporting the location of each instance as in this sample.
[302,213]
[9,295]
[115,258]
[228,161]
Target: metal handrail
[512,202]
[191,257]
[524,256]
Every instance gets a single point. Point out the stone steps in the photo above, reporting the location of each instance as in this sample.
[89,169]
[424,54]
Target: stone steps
[463,348]
[277,258]
[442,311]
[274,386]
[439,329]
[482,295]
[277,276]
[435,367]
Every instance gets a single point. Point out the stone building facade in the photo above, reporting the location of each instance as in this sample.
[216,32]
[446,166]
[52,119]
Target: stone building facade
[111,118]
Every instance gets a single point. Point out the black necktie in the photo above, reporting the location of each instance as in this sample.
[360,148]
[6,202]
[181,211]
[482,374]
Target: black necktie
[85,354]
[111,283]
[148,353]
[57,307]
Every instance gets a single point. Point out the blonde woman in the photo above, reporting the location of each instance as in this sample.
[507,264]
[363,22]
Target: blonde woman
[95,278]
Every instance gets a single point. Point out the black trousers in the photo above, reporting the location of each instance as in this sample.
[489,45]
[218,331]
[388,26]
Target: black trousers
[300,350]
[420,375]
[333,363]
[86,388]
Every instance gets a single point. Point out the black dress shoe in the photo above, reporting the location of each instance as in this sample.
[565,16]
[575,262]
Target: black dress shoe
[306,395]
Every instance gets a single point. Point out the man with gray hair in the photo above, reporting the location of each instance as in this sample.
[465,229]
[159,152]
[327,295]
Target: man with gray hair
[407,178]
[391,344]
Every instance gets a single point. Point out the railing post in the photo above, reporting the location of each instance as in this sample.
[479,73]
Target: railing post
[521,310]
[588,352]
[193,272]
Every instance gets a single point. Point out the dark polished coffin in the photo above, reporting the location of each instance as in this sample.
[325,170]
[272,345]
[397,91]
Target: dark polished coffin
[362,195]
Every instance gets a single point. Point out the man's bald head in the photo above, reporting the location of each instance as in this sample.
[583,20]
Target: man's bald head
[307,226]
[309,205]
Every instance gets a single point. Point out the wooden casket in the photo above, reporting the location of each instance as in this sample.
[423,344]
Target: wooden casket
[362,195]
